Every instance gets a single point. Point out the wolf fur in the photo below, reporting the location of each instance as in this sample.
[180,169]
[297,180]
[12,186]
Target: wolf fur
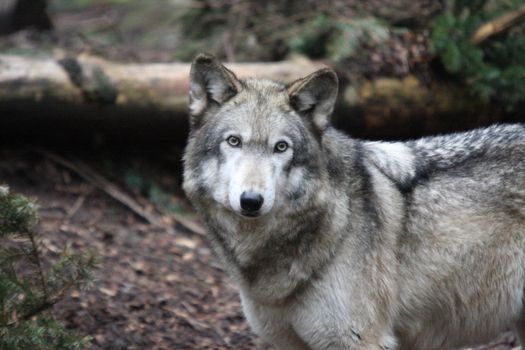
[415,245]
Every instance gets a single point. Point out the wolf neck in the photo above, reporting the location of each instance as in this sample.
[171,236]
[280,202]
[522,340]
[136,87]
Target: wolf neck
[268,259]
[272,258]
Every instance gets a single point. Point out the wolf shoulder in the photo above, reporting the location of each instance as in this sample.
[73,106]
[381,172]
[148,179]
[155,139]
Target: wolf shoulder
[498,149]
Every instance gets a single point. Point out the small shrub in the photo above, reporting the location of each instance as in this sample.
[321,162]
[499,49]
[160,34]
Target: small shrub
[29,287]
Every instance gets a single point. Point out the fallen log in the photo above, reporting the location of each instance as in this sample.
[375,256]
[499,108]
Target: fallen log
[87,94]
[401,108]
[91,80]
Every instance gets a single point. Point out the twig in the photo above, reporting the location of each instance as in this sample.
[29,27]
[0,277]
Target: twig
[76,206]
[41,308]
[185,223]
[106,186]
[498,25]
[114,192]
[46,303]
[78,203]
[36,257]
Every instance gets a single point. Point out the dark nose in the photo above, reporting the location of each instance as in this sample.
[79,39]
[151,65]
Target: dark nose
[251,201]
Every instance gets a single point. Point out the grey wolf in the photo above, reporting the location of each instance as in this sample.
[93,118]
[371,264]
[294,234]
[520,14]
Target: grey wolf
[338,243]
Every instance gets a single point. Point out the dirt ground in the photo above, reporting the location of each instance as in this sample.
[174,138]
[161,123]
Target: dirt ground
[155,289]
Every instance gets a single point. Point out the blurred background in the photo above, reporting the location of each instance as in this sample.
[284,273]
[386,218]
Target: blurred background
[93,99]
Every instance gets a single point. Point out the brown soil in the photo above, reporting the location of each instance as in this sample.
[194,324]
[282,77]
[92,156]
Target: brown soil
[154,289]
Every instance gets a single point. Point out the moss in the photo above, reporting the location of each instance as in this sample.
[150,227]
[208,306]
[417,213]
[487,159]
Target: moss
[95,85]
[100,89]
[73,70]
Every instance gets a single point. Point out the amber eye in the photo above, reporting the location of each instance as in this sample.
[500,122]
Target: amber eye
[234,141]
[280,147]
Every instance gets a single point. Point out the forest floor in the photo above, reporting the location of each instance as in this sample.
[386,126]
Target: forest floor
[156,288]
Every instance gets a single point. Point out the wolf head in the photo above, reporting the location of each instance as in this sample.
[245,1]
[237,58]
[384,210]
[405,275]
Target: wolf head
[254,142]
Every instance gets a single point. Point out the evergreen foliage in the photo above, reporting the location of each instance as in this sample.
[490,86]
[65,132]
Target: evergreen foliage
[493,71]
[29,286]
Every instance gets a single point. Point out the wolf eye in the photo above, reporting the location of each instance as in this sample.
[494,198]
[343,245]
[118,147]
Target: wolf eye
[280,147]
[234,141]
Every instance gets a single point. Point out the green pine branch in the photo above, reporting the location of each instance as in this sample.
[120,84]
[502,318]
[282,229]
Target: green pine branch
[28,290]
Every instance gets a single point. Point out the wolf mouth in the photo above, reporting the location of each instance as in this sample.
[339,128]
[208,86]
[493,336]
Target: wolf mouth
[250,214]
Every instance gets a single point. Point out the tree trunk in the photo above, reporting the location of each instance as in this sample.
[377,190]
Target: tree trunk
[88,94]
[20,14]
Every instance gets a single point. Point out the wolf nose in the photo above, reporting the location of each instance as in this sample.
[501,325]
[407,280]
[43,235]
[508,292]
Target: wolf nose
[251,201]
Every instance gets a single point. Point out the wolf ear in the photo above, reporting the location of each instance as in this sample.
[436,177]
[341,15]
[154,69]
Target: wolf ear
[314,96]
[211,84]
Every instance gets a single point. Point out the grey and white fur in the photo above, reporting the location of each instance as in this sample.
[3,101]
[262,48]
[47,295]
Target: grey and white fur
[337,243]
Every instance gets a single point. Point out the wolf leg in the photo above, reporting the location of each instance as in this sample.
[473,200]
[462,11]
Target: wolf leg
[271,324]
[318,328]
[288,342]
[520,329]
